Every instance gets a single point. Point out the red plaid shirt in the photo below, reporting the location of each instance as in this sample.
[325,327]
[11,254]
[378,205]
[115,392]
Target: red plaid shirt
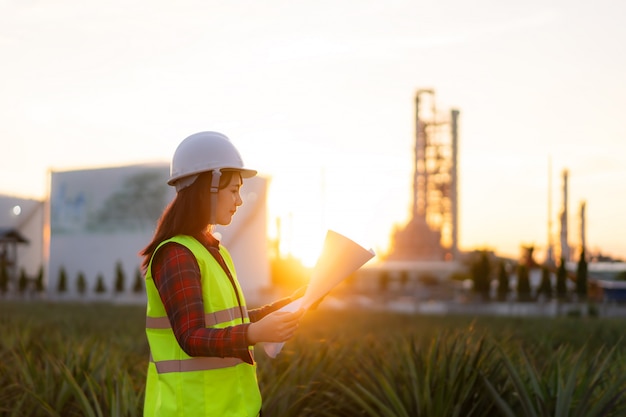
[177,277]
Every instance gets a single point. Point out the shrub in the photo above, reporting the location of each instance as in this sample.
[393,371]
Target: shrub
[81,283]
[480,271]
[4,278]
[523,283]
[100,287]
[119,278]
[581,276]
[545,286]
[22,284]
[62,282]
[503,282]
[561,280]
[39,284]
[568,385]
[138,285]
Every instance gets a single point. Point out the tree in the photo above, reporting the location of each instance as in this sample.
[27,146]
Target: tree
[545,287]
[561,280]
[81,283]
[523,283]
[100,288]
[22,283]
[481,275]
[581,276]
[503,282]
[4,278]
[138,285]
[39,287]
[62,283]
[119,278]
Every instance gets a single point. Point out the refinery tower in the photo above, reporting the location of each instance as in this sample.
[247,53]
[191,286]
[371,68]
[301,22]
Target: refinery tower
[431,234]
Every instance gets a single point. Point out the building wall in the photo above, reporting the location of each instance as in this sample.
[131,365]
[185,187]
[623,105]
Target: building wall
[31,256]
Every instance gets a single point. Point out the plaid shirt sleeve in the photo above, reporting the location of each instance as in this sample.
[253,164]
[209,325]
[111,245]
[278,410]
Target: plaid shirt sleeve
[257,314]
[177,277]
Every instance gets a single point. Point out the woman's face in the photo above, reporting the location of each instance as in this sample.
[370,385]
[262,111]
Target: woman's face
[228,199]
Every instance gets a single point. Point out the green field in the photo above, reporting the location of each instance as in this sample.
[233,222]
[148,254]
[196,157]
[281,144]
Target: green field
[90,360]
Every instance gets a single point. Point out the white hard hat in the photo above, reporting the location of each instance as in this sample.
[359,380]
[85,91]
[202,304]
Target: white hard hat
[202,152]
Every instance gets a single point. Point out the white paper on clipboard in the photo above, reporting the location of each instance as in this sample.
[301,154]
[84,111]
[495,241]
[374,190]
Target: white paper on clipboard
[340,257]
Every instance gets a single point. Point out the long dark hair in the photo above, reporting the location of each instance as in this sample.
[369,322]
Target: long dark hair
[187,214]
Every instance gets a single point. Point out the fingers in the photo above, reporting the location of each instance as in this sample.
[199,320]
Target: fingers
[286,334]
[287,324]
[278,326]
[286,320]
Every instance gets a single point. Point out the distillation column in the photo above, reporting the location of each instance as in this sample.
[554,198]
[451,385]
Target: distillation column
[454,184]
[565,255]
[432,232]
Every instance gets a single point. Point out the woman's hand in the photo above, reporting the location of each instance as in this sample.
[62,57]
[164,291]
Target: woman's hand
[278,326]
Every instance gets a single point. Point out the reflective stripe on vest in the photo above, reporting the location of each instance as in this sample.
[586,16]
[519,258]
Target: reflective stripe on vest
[211,319]
[195,364]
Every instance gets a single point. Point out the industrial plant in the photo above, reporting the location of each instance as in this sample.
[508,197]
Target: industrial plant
[426,247]
[432,231]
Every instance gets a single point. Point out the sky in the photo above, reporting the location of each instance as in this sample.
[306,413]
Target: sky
[319,97]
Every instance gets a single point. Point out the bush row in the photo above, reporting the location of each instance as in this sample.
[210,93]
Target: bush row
[90,360]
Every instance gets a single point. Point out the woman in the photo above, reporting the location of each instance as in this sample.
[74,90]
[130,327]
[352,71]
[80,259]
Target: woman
[200,333]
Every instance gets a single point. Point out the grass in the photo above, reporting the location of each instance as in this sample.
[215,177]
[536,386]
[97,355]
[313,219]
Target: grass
[90,360]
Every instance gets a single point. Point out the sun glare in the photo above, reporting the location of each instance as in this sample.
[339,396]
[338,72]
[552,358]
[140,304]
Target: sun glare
[296,221]
[301,209]
[298,238]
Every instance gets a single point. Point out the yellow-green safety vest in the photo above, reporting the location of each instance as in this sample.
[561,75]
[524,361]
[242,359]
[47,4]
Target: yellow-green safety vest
[179,385]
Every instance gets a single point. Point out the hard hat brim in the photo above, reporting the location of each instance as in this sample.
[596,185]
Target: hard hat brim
[245,173]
